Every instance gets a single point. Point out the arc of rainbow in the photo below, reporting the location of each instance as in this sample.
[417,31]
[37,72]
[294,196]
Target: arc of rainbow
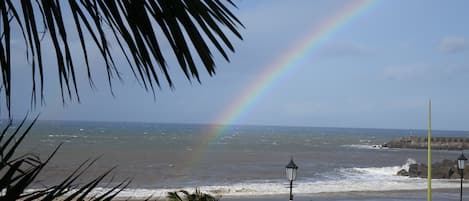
[286,62]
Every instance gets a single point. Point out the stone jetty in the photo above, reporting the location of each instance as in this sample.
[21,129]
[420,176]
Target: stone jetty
[415,142]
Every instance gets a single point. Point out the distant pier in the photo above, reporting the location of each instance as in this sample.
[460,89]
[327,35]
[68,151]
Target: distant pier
[445,143]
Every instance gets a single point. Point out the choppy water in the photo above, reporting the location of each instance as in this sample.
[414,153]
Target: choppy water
[245,160]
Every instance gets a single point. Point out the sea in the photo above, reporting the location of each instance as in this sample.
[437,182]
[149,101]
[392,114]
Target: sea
[244,162]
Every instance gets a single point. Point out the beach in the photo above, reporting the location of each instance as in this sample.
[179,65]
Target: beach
[439,195]
[415,195]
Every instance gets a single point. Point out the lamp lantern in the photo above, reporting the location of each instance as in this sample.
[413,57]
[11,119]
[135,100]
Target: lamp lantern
[461,160]
[291,169]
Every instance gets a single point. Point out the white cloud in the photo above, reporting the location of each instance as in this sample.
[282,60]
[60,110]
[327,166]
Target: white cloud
[454,44]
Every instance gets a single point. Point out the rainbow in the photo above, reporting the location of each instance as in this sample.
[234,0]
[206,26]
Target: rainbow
[286,62]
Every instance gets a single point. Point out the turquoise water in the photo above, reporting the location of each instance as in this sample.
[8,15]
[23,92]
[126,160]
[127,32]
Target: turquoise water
[244,161]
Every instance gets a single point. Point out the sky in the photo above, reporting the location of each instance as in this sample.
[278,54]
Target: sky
[376,70]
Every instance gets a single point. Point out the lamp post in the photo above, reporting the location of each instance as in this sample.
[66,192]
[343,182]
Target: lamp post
[461,160]
[291,175]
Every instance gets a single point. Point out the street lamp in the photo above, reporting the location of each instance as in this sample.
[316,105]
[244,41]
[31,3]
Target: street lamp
[291,175]
[461,160]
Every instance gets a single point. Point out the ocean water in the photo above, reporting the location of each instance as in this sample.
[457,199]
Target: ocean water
[244,162]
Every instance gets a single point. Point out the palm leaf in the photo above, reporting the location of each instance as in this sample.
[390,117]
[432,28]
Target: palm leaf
[173,196]
[138,27]
[186,196]
[17,173]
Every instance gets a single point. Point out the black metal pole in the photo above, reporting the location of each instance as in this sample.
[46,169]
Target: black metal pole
[462,176]
[291,187]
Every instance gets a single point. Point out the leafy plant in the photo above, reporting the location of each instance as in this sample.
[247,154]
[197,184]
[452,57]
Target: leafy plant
[17,173]
[183,195]
[137,27]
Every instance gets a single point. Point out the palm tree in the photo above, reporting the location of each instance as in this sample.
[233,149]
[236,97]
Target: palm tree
[137,27]
[186,196]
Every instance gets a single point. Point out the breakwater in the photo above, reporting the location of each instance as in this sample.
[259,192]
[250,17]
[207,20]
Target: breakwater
[414,142]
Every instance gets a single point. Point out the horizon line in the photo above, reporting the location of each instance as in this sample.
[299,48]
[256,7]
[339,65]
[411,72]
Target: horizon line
[233,125]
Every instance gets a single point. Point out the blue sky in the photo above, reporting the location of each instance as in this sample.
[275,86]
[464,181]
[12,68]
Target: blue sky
[376,71]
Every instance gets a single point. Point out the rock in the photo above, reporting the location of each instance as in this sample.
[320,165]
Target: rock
[445,169]
[418,170]
[403,172]
[442,169]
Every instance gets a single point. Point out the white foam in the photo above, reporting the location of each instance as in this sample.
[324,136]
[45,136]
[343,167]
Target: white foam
[62,136]
[364,146]
[375,173]
[280,187]
[300,187]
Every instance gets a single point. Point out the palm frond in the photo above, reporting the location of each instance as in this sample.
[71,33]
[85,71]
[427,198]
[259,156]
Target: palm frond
[193,28]
[173,196]
[17,173]
[186,196]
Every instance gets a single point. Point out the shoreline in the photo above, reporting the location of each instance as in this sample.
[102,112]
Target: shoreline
[417,195]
